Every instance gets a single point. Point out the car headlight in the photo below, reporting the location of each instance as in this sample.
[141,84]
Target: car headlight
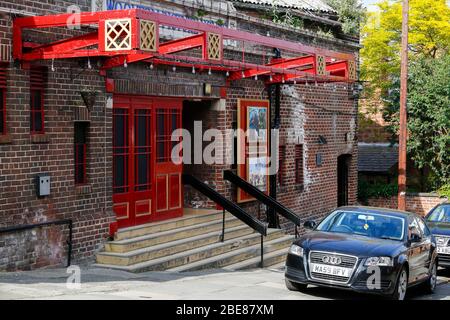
[296,250]
[379,261]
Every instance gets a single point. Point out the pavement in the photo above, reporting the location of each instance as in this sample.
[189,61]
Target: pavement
[105,284]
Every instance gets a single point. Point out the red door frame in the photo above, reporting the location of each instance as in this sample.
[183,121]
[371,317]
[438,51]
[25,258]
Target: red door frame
[131,205]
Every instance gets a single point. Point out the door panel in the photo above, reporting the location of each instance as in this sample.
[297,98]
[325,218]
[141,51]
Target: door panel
[168,119]
[146,183]
[175,192]
[161,193]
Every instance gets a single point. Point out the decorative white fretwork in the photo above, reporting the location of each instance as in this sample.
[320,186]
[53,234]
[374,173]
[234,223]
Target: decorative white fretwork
[321,67]
[118,35]
[214,46]
[149,36]
[352,73]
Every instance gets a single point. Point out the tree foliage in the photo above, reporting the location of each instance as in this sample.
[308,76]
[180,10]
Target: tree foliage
[350,13]
[428,116]
[429,37]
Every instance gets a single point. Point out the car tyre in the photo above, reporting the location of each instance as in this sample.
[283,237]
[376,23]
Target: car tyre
[294,286]
[401,285]
[430,285]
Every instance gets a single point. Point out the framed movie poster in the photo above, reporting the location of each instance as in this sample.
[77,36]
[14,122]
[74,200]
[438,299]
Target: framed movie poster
[253,145]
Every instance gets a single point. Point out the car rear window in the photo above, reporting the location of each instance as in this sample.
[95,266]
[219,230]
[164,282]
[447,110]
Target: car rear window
[440,214]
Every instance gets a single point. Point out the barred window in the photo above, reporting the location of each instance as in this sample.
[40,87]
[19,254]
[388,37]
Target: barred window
[38,79]
[299,164]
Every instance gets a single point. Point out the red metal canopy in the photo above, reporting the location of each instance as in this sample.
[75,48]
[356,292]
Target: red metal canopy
[128,36]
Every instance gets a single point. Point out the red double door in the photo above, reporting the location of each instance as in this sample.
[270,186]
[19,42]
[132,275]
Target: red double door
[147,184]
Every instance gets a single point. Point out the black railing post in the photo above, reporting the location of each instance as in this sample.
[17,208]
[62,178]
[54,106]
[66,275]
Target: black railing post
[222,238]
[262,251]
[296,231]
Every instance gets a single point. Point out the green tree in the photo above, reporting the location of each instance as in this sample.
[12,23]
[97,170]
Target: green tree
[428,116]
[429,37]
[350,13]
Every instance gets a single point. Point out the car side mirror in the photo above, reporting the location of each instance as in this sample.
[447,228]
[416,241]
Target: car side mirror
[415,238]
[310,224]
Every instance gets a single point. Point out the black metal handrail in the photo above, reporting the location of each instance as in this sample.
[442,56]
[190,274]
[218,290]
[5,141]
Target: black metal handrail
[43,224]
[229,206]
[262,197]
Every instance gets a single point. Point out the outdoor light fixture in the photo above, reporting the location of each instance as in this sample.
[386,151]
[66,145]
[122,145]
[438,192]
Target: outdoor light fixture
[89,98]
[193,70]
[151,66]
[228,73]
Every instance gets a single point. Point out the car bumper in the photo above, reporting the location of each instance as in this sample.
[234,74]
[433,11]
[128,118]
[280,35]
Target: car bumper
[444,260]
[362,279]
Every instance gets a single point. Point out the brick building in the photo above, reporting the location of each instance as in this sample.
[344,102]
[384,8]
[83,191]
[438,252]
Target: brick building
[99,125]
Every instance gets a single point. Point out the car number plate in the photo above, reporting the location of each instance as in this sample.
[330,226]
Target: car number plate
[331,270]
[443,250]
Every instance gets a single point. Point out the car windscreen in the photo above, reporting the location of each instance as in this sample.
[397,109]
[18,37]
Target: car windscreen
[374,225]
[440,214]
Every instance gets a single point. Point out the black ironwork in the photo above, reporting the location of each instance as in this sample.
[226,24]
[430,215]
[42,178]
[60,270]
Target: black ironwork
[229,206]
[262,197]
[44,224]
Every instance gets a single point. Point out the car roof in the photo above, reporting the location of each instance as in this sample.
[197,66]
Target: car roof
[392,212]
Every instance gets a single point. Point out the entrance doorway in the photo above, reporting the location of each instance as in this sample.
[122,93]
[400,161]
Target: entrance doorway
[342,176]
[146,183]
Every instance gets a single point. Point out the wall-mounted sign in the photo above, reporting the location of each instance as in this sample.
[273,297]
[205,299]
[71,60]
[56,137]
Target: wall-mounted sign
[253,145]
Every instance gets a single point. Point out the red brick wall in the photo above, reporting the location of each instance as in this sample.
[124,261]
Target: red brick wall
[21,159]
[418,203]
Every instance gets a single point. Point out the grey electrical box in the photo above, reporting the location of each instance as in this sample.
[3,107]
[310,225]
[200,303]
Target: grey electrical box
[43,184]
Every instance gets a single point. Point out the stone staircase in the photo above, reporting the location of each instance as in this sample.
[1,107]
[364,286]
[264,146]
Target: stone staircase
[193,243]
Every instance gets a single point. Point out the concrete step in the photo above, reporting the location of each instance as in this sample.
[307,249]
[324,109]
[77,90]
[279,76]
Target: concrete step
[196,255]
[154,239]
[275,259]
[170,248]
[188,220]
[235,256]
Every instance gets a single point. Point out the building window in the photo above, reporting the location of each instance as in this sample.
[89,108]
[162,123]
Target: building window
[299,164]
[2,100]
[281,164]
[37,88]
[80,151]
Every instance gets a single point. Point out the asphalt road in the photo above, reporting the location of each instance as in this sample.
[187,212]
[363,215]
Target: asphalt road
[267,284]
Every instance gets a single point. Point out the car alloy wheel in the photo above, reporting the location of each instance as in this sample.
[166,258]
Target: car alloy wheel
[432,281]
[402,285]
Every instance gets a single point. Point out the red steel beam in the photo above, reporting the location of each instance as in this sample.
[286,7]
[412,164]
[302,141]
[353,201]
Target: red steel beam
[178,45]
[240,35]
[164,48]
[96,17]
[285,64]
[65,46]
[71,48]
